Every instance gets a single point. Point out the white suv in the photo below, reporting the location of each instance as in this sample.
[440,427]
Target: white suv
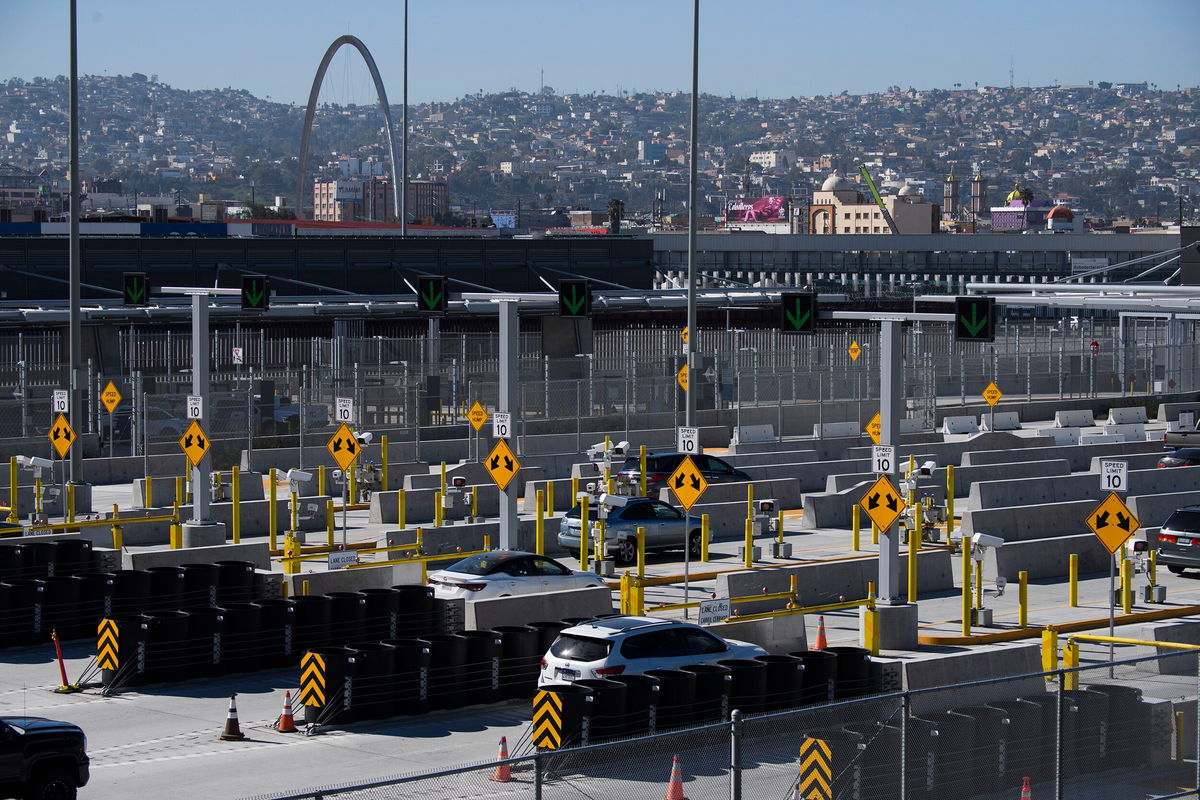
[624,645]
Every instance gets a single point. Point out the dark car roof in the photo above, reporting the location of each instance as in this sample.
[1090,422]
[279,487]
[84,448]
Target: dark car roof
[1184,452]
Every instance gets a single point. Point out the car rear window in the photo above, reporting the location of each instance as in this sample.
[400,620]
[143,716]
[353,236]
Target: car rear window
[1184,521]
[478,565]
[579,648]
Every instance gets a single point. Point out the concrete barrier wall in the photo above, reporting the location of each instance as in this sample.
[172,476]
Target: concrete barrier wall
[1051,557]
[786,491]
[825,582]
[952,452]
[924,671]
[1078,456]
[1029,522]
[1031,491]
[256,552]
[163,488]
[776,635]
[352,580]
[833,509]
[1132,461]
[751,460]
[1179,633]
[1152,510]
[419,503]
[483,615]
[448,539]
[51,507]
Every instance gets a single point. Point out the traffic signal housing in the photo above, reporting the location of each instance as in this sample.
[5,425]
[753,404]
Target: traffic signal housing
[256,294]
[136,289]
[974,319]
[575,297]
[798,312]
[431,294]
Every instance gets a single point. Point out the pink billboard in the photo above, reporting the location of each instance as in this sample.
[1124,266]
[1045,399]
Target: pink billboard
[757,209]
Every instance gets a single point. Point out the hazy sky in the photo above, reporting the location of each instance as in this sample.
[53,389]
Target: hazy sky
[768,48]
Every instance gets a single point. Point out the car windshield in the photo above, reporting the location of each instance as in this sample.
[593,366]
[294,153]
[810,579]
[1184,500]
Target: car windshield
[479,565]
[1184,521]
[579,648]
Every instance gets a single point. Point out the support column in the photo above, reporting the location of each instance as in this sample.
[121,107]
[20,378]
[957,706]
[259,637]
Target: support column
[201,530]
[508,400]
[891,399]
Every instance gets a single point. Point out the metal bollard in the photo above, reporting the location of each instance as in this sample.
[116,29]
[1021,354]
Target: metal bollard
[14,516]
[273,511]
[966,585]
[642,466]
[748,549]
[117,540]
[291,564]
[874,533]
[913,546]
[585,534]
[329,521]
[539,545]
[550,498]
[438,511]
[1073,582]
[1070,660]
[855,526]
[321,480]
[949,500]
[1049,650]
[1022,599]
[401,509]
[235,504]
[1126,585]
[148,492]
[383,463]
[704,535]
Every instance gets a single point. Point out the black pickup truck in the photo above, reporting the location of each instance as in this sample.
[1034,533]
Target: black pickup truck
[41,759]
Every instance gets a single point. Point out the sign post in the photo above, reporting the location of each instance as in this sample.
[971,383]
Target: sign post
[992,395]
[477,416]
[111,397]
[688,484]
[62,436]
[343,446]
[1113,523]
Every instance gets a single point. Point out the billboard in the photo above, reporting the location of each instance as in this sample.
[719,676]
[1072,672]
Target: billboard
[757,209]
[348,191]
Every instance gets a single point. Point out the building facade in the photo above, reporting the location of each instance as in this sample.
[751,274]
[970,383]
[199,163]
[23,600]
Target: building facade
[840,208]
[369,199]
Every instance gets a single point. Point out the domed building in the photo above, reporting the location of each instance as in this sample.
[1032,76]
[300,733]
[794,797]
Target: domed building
[838,207]
[1020,212]
[1061,218]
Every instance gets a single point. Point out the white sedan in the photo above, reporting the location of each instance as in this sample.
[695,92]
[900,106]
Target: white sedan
[502,573]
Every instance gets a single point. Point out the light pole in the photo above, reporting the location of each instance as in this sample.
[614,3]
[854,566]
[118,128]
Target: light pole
[689,414]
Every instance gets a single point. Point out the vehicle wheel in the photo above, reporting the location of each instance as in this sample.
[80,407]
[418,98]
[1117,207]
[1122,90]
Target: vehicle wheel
[626,552]
[1175,569]
[54,784]
[694,545]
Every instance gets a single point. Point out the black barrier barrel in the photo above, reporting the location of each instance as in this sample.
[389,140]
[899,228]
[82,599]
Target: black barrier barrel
[130,590]
[641,702]
[235,581]
[12,562]
[1023,745]
[166,635]
[1048,704]
[447,654]
[37,559]
[844,756]
[1085,722]
[166,588]
[481,664]
[576,705]
[880,760]
[819,676]
[242,644]
[547,632]
[73,556]
[202,652]
[25,600]
[61,607]
[748,684]
[412,674]
[347,612]
[853,672]
[380,614]
[785,681]
[276,622]
[131,634]
[1128,724]
[200,584]
[311,622]
[339,705]
[95,596]
[608,708]
[991,739]
[952,753]
[676,697]
[519,660]
[8,616]
[416,617]
[713,685]
[373,674]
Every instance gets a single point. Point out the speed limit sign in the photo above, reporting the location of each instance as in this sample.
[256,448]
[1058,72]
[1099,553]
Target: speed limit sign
[883,459]
[344,410]
[195,406]
[688,440]
[501,425]
[62,399]
[1114,476]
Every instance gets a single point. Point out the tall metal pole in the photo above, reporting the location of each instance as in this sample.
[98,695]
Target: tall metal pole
[891,401]
[404,137]
[689,414]
[506,400]
[200,361]
[75,409]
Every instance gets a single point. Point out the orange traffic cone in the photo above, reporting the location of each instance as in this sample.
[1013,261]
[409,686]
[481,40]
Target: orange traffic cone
[822,642]
[675,787]
[1026,792]
[286,723]
[232,732]
[503,773]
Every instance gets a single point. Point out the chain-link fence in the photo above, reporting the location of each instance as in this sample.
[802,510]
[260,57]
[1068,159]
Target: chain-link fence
[1114,731]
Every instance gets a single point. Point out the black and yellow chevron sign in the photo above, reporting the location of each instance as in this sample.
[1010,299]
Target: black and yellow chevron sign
[547,720]
[312,680]
[106,644]
[816,772]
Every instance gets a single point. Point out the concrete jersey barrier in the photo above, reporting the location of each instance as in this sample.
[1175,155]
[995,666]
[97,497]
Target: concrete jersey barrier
[1078,456]
[1030,491]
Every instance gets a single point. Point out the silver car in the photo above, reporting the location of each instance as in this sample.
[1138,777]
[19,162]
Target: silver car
[665,525]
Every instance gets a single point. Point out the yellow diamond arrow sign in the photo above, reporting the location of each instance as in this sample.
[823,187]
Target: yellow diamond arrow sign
[687,483]
[501,464]
[874,428]
[477,416]
[111,397]
[992,394]
[61,435]
[343,446]
[855,351]
[194,442]
[1112,522]
[883,503]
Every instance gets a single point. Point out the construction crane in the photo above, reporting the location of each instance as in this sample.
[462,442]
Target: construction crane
[887,215]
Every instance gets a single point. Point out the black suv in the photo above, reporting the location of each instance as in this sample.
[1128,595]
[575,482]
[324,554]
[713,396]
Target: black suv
[41,759]
[659,467]
[1179,540]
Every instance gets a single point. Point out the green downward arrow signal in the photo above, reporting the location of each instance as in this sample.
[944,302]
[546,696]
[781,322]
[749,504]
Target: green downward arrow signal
[975,324]
[135,290]
[575,301]
[254,294]
[797,321]
[431,298]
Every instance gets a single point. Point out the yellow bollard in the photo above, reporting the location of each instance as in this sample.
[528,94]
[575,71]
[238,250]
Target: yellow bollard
[966,585]
[401,509]
[1152,567]
[1126,585]
[235,504]
[642,458]
[874,533]
[979,586]
[176,533]
[305,588]
[283,590]
[148,492]
[918,523]
[487,541]
[913,546]
[1073,582]
[599,554]
[574,490]
[273,511]
[1022,599]
[539,544]
[294,499]
[291,564]
[793,583]
[420,542]
[550,498]
[1071,660]
[779,525]
[912,465]
[585,533]
[704,534]
[750,501]
[443,473]
[352,487]
[178,491]
[117,539]
[949,500]
[321,480]
[329,521]
[854,526]
[474,501]
[13,515]
[1049,650]
[70,511]
[437,509]
[383,463]
[748,547]
[640,593]
[871,633]
[625,590]
[1180,737]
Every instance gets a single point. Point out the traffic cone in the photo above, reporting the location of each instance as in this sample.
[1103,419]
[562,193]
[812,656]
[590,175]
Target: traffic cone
[232,732]
[675,786]
[503,773]
[286,723]
[1026,793]
[822,642]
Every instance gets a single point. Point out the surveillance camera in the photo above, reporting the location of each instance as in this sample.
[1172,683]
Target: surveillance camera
[337,475]
[364,438]
[613,500]
[985,540]
[1141,546]
[927,468]
[621,449]
[24,461]
[766,506]
[459,481]
[40,463]
[311,508]
[591,487]
[298,476]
